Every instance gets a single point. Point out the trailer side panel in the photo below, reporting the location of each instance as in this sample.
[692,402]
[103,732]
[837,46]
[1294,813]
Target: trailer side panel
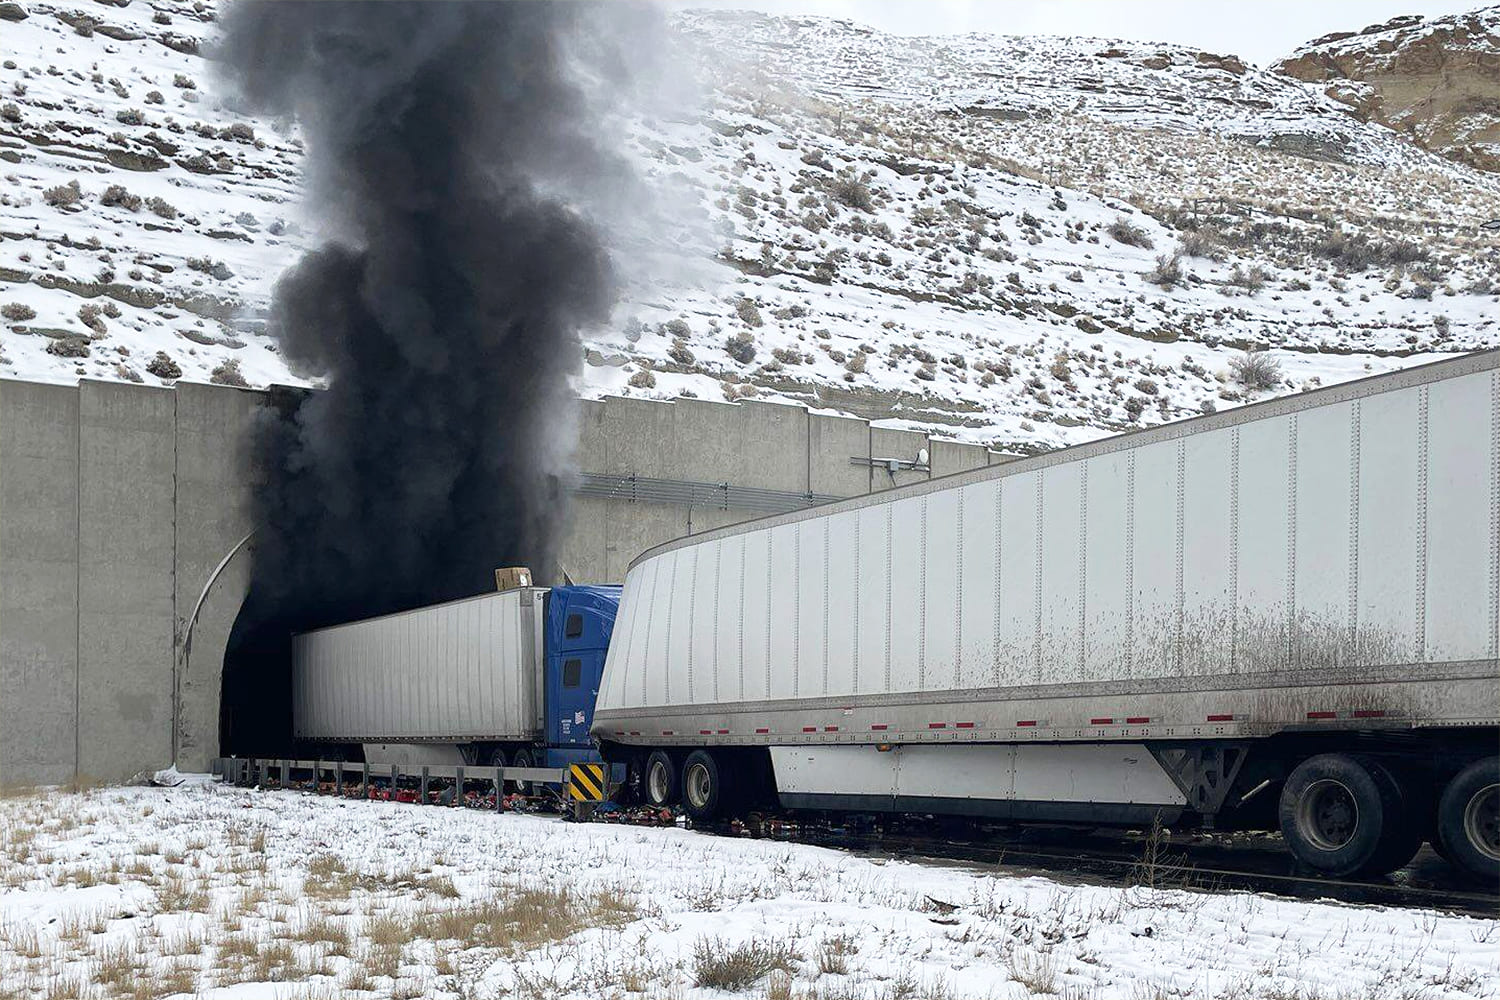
[463,671]
[1327,561]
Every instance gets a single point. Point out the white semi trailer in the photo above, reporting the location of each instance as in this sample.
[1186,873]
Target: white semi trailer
[502,679]
[1287,614]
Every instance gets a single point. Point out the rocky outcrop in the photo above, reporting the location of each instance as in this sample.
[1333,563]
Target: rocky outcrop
[1437,81]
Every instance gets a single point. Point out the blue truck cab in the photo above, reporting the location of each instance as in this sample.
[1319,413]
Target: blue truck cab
[579,623]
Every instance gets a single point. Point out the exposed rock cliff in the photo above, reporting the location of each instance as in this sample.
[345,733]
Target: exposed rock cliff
[1438,81]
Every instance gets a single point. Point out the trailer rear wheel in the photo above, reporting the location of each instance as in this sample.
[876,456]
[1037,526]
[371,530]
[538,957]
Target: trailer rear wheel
[1469,819]
[496,758]
[661,779]
[703,793]
[1343,816]
[522,758]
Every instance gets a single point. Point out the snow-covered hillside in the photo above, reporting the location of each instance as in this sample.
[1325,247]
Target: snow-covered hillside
[1021,241]
[138,214]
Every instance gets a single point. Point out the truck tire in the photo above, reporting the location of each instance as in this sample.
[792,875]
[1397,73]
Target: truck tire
[1406,828]
[496,758]
[1468,819]
[522,758]
[704,795]
[660,780]
[1343,816]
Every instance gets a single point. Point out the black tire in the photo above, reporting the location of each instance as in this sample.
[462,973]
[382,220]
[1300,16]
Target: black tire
[1402,835]
[1468,820]
[704,795]
[1342,815]
[659,781]
[522,758]
[496,758]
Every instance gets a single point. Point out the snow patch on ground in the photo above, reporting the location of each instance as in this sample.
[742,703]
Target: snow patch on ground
[223,892]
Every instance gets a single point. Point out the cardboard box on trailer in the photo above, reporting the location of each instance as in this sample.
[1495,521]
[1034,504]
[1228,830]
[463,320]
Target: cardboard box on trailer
[512,578]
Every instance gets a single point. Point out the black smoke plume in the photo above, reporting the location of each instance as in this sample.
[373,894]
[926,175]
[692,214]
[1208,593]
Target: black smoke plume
[452,149]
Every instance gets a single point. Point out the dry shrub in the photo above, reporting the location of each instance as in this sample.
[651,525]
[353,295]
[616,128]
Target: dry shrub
[1256,370]
[1127,232]
[1168,270]
[853,193]
[64,195]
[741,347]
[719,965]
[228,373]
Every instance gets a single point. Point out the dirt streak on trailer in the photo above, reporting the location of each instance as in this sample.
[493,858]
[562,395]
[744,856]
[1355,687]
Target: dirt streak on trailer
[1285,614]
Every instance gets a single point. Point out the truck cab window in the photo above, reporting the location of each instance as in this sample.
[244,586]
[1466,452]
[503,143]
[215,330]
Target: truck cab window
[572,673]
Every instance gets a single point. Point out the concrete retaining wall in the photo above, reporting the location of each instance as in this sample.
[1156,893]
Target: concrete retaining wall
[118,501]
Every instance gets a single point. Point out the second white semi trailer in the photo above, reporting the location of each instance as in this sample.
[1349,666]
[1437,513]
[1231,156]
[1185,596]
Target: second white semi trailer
[1287,614]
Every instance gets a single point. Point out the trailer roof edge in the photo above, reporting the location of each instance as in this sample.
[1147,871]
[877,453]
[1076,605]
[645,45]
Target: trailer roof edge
[1370,385]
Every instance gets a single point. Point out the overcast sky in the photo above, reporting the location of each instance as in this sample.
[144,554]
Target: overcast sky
[1261,31]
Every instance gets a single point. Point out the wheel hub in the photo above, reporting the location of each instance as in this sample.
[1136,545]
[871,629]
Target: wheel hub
[656,781]
[698,786]
[1482,821]
[1329,814]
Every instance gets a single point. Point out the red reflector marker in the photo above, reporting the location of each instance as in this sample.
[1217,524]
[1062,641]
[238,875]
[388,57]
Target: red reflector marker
[880,727]
[705,732]
[1322,715]
[809,729]
[761,732]
[830,729]
[1027,722]
[937,725]
[964,725]
[1221,718]
[1369,713]
[723,732]
[635,732]
[1137,720]
[1101,722]
[667,732]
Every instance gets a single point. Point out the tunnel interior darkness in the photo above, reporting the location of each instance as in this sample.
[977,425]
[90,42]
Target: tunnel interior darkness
[255,702]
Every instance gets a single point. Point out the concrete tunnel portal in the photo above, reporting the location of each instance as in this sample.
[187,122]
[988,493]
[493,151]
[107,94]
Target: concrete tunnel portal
[150,491]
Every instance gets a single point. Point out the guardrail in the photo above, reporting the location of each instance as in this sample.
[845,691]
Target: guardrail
[429,784]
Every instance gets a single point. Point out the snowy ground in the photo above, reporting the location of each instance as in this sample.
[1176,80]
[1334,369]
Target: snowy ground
[222,892]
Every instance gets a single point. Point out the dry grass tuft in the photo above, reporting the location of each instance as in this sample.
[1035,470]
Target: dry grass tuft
[322,930]
[116,967]
[440,885]
[177,979]
[833,955]
[1035,971]
[528,918]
